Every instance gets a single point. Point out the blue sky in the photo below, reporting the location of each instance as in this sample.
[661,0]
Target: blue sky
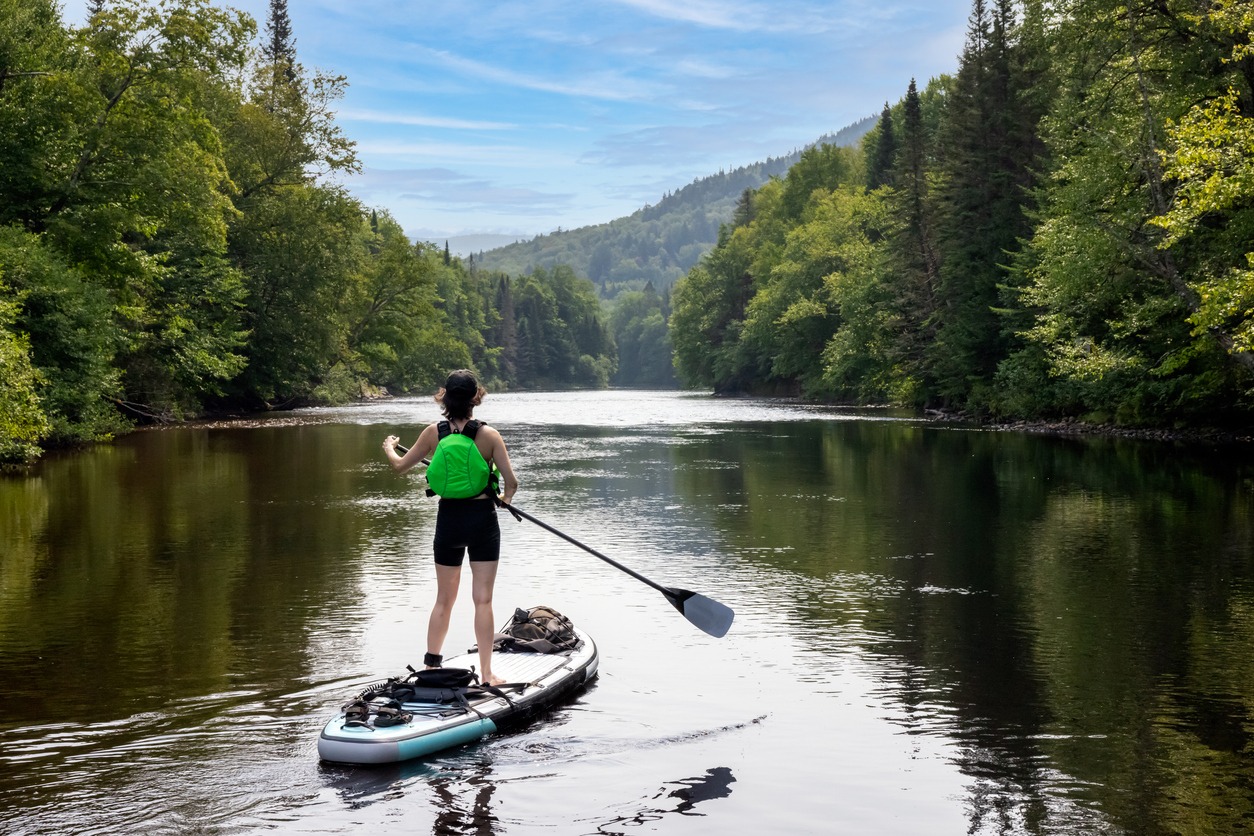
[520,118]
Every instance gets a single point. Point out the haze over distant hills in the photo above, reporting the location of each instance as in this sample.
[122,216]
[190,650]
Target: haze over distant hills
[464,245]
[655,244]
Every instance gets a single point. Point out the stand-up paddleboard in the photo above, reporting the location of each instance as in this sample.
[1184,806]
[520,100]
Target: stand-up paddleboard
[395,721]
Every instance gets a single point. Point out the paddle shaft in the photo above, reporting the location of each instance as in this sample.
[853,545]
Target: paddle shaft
[667,591]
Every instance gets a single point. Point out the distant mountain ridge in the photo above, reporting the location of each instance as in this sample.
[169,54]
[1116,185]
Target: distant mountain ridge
[657,243]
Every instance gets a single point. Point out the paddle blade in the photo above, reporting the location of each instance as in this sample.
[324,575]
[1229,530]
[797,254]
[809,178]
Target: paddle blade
[706,613]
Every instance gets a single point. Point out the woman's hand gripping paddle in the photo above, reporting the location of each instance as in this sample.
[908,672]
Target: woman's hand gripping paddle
[706,613]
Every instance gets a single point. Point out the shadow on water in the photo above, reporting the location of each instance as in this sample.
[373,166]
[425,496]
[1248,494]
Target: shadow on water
[462,798]
[674,798]
[457,814]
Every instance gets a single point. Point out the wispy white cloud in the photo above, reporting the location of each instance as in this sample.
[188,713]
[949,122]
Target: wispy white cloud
[417,120]
[610,85]
[453,191]
[666,146]
[700,68]
[431,150]
[711,13]
[764,17]
[515,157]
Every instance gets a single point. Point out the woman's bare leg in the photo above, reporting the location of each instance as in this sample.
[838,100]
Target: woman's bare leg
[483,579]
[447,580]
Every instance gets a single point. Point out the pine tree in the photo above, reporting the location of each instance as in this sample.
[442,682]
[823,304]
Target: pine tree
[915,265]
[280,44]
[985,172]
[880,165]
[911,179]
[506,336]
[743,215]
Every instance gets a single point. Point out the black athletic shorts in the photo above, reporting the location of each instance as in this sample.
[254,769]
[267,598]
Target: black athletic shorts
[466,524]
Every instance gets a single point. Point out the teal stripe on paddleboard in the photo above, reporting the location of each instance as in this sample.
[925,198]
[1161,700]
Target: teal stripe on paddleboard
[446,739]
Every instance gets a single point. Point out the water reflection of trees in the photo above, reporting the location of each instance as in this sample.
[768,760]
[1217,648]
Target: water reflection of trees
[161,566]
[1075,613]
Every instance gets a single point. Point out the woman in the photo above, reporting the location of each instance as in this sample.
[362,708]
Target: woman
[462,525]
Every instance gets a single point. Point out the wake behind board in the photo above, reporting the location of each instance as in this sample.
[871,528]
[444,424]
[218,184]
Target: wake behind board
[538,680]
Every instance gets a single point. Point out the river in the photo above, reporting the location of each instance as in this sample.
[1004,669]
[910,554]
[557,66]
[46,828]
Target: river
[939,629]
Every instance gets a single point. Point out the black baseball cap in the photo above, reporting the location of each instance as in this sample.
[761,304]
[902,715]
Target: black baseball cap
[462,383]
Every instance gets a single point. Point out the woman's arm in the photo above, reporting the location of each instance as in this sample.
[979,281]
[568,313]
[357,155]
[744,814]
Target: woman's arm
[499,456]
[422,449]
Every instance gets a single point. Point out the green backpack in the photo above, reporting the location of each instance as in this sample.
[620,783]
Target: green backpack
[457,469]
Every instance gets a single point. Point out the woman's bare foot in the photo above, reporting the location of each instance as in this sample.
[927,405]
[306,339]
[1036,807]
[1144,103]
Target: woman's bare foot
[493,680]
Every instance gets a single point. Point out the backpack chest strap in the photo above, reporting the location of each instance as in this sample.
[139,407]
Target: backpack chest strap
[470,429]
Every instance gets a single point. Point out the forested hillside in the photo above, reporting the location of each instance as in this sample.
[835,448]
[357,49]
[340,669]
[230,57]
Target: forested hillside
[169,245]
[656,244]
[1063,228]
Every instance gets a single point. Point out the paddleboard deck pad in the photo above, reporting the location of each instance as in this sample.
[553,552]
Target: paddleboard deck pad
[376,728]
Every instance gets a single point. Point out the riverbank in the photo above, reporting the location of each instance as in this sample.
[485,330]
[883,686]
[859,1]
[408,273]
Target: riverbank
[1075,427]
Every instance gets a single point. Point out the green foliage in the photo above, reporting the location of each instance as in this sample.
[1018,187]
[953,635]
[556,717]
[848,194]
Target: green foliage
[36,105]
[1210,157]
[871,357]
[759,311]
[290,244]
[283,131]
[66,323]
[792,315]
[466,304]
[1062,228]
[391,311]
[822,167]
[638,324]
[987,156]
[880,146]
[562,338]
[23,423]
[116,162]
[279,47]
[710,304]
[1128,324]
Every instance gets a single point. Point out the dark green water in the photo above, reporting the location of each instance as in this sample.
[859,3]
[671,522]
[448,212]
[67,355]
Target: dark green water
[938,630]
